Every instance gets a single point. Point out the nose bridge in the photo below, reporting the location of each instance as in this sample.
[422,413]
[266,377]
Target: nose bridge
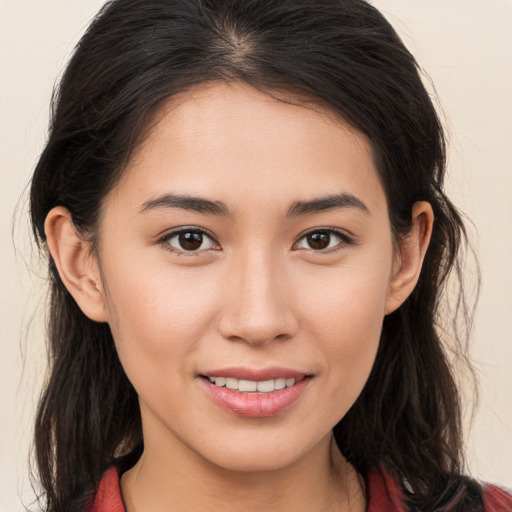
[258,306]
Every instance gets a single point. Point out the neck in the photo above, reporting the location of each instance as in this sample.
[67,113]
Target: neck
[321,481]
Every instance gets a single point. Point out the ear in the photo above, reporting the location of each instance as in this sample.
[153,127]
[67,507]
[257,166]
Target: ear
[410,255]
[77,267]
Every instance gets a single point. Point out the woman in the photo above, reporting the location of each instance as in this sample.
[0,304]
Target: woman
[242,202]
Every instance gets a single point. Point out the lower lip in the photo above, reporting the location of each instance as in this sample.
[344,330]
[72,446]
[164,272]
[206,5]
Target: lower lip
[255,405]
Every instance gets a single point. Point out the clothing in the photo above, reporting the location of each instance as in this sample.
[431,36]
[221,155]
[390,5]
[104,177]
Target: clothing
[384,491]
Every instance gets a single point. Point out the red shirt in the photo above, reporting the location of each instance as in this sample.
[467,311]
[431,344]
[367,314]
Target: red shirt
[384,491]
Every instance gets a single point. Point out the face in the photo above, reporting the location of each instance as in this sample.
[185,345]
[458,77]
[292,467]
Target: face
[246,257]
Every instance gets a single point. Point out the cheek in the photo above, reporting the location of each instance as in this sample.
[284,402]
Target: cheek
[157,316]
[345,320]
[349,302]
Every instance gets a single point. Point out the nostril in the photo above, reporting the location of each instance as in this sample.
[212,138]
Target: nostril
[258,331]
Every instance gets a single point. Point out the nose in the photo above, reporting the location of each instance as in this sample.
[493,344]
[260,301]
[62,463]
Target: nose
[258,304]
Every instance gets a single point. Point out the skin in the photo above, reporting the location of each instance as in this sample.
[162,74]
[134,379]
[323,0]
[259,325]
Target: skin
[255,294]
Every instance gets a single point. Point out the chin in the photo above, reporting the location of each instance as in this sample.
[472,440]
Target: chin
[259,454]
[252,462]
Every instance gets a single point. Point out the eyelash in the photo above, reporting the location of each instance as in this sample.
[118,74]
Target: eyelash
[165,241]
[344,240]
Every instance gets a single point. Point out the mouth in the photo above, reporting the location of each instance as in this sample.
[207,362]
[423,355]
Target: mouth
[255,394]
[253,386]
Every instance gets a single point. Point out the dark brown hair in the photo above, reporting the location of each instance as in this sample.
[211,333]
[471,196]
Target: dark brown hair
[134,56]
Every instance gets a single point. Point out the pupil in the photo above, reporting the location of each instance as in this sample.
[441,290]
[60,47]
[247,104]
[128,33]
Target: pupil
[319,240]
[190,241]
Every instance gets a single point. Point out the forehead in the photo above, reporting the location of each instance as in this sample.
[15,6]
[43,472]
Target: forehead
[236,143]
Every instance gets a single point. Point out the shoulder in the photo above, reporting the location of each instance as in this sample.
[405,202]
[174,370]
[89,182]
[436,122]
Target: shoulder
[496,499]
[387,492]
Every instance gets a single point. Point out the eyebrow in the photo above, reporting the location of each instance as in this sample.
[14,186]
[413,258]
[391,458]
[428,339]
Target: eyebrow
[196,204]
[323,204]
[296,209]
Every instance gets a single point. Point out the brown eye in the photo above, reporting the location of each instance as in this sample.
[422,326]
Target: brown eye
[189,241]
[319,240]
[323,240]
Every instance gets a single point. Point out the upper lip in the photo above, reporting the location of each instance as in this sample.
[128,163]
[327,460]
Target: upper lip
[254,374]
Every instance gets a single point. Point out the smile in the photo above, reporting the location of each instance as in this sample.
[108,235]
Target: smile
[255,394]
[252,386]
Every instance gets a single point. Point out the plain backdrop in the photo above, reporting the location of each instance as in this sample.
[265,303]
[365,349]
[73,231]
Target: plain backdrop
[466,48]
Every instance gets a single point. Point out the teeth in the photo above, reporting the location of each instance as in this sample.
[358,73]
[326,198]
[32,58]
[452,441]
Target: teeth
[279,383]
[251,386]
[247,385]
[265,386]
[231,383]
[219,381]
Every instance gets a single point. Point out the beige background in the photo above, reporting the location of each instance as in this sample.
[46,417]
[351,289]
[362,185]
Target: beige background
[465,46]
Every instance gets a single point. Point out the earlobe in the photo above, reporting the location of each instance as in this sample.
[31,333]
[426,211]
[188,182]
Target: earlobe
[410,256]
[77,268]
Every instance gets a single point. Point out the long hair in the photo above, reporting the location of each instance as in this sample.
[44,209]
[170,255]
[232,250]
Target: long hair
[139,53]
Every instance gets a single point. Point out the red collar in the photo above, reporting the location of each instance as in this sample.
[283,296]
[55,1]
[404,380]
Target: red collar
[108,495]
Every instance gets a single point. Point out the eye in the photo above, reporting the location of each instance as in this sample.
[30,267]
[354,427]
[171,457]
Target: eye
[188,240]
[323,240]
